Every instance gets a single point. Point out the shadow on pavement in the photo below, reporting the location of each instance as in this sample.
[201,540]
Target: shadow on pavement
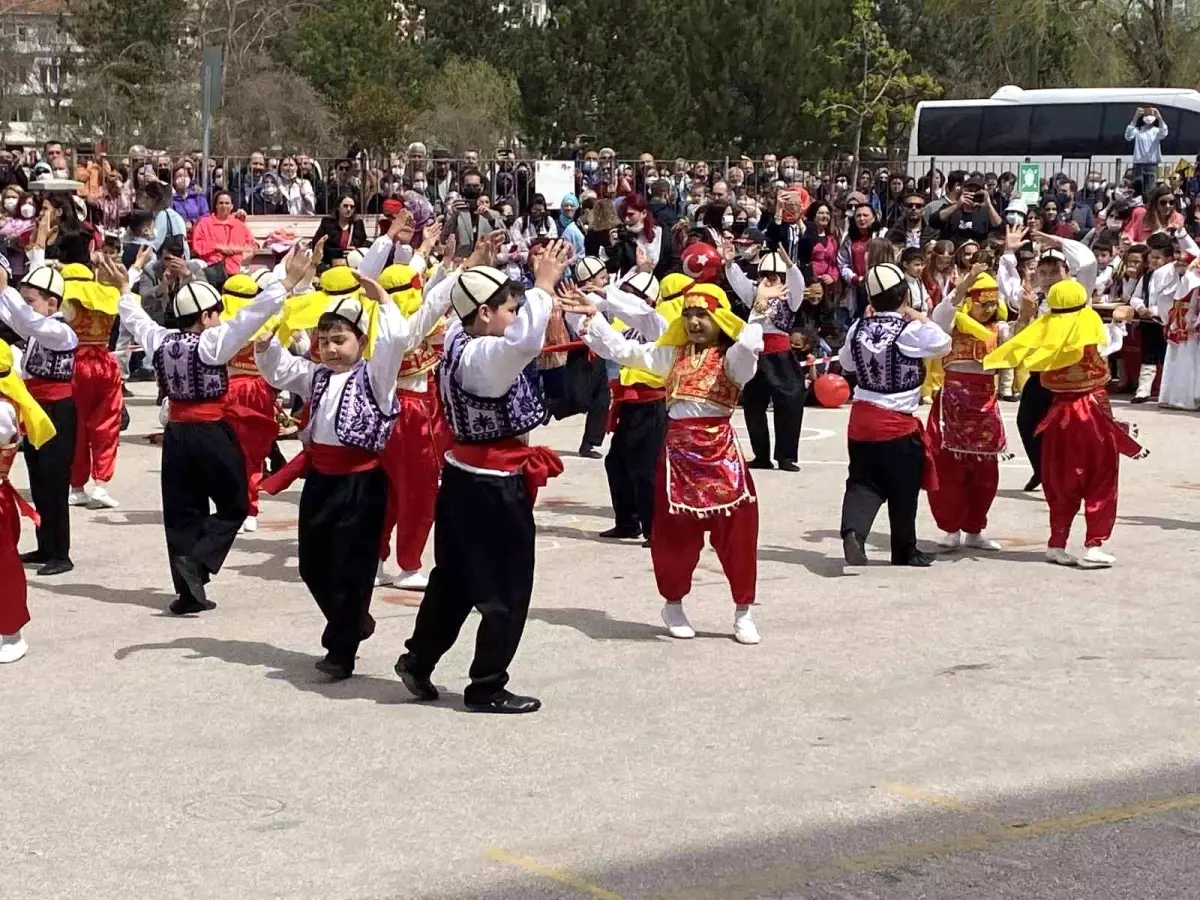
[1158,522]
[149,598]
[600,626]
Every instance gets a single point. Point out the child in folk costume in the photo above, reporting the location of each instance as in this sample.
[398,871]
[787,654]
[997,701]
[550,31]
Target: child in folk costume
[19,413]
[48,365]
[706,357]
[250,400]
[965,428]
[890,459]
[362,338]
[1180,385]
[1082,442]
[201,459]
[484,540]
[1151,301]
[413,456]
[90,308]
[780,380]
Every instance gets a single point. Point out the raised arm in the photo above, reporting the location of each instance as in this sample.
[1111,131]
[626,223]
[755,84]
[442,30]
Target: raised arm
[51,333]
[795,286]
[603,340]
[220,344]
[147,333]
[741,360]
[398,336]
[282,369]
[922,339]
[503,357]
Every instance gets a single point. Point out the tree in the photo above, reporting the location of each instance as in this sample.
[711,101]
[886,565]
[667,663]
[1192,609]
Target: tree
[1157,39]
[874,82]
[471,106]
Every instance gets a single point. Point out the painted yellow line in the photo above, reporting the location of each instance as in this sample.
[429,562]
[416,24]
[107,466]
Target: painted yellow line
[498,854]
[940,801]
[790,877]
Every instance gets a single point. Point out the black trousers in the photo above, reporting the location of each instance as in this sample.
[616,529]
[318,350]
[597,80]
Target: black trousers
[780,380]
[201,462]
[1154,343]
[483,551]
[630,465]
[341,519]
[885,472]
[1035,404]
[50,480]
[597,410]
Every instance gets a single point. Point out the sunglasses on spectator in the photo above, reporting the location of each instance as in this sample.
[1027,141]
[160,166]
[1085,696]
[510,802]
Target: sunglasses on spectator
[914,205]
[1165,201]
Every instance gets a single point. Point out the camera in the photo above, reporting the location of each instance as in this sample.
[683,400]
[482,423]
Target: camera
[979,197]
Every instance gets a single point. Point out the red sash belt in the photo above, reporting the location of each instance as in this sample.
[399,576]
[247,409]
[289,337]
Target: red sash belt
[629,393]
[872,424]
[45,391]
[776,343]
[326,459]
[537,464]
[23,506]
[192,412]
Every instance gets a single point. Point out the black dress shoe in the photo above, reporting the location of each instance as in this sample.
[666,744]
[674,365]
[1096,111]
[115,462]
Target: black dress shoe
[34,558]
[506,703]
[367,628]
[192,576]
[1136,399]
[186,606]
[56,567]
[587,451]
[622,534]
[916,559]
[788,466]
[336,671]
[646,542]
[1033,483]
[760,464]
[853,550]
[418,685]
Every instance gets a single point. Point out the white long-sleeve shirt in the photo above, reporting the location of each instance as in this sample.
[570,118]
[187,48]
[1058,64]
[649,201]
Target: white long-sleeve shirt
[380,255]
[746,291]
[51,332]
[1147,142]
[219,344]
[395,337]
[490,364]
[919,340]
[10,427]
[741,361]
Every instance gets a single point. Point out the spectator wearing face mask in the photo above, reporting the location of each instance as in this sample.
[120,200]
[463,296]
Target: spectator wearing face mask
[468,221]
[568,209]
[852,254]
[894,205]
[390,187]
[538,224]
[1146,132]
[442,180]
[270,200]
[296,192]
[186,199]
[18,225]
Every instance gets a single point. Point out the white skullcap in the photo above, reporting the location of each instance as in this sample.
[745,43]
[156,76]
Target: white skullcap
[353,258]
[195,297]
[883,278]
[588,268]
[644,285]
[261,276]
[349,310]
[474,288]
[772,264]
[1017,205]
[1052,254]
[47,279]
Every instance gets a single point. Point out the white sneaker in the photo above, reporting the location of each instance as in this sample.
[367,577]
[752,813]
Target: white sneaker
[1096,558]
[249,525]
[79,498]
[1060,557]
[677,622]
[12,647]
[744,630]
[411,581]
[382,578]
[102,499]
[981,542]
[951,540]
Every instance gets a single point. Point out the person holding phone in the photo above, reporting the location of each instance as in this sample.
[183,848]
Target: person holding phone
[1146,132]
[969,217]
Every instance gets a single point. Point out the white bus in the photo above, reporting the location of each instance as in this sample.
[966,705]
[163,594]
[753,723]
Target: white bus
[1072,130]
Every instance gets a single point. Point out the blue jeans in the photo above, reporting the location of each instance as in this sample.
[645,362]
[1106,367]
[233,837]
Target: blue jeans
[1145,177]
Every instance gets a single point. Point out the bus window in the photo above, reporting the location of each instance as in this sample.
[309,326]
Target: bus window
[1005,131]
[1173,145]
[948,131]
[1112,132]
[1189,134]
[1065,129]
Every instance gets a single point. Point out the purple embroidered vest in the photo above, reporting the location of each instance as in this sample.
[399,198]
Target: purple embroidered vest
[49,365]
[474,419]
[780,314]
[181,373]
[878,362]
[358,422]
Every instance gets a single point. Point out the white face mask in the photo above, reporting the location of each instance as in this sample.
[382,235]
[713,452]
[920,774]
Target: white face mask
[727,221]
[1148,120]
[27,211]
[10,203]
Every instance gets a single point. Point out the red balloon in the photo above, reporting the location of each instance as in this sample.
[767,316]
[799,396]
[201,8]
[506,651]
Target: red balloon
[832,390]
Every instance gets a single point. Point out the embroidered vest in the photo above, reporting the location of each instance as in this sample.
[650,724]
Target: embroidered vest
[878,362]
[423,359]
[1177,320]
[243,362]
[968,348]
[91,326]
[777,312]
[1089,373]
[358,421]
[7,455]
[48,365]
[181,373]
[475,419]
[700,375]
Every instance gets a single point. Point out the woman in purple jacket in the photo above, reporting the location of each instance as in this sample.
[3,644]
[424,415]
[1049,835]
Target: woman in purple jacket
[187,199]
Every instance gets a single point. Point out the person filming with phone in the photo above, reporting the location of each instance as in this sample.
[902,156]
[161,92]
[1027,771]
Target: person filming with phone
[1147,131]
[969,216]
[470,220]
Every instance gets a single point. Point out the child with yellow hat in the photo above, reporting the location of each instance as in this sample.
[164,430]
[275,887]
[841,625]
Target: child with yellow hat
[706,356]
